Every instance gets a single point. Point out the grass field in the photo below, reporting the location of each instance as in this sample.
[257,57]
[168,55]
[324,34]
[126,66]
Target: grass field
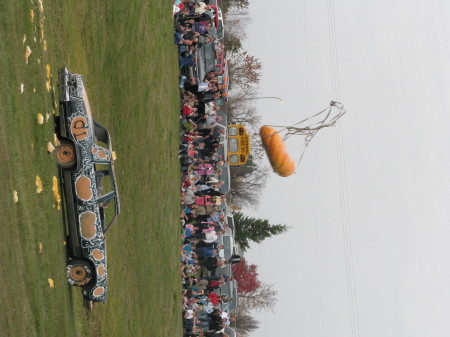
[124,51]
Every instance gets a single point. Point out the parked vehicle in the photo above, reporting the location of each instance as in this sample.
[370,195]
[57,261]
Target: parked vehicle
[229,219]
[85,158]
[230,332]
[225,175]
[209,57]
[231,290]
[228,241]
[206,56]
[218,21]
[238,145]
[221,61]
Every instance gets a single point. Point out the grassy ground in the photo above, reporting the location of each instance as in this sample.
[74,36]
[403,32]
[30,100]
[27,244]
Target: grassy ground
[124,50]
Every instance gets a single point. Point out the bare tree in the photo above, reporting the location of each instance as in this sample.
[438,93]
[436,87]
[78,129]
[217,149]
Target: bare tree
[238,96]
[247,182]
[244,70]
[264,297]
[228,4]
[258,152]
[237,21]
[246,114]
[244,323]
[241,108]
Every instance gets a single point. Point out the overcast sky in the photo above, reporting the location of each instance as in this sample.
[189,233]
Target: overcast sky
[393,58]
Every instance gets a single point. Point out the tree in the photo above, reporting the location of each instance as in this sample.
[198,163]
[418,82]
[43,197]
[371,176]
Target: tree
[247,114]
[253,294]
[253,229]
[233,43]
[241,108]
[247,181]
[258,151]
[246,277]
[237,21]
[239,4]
[244,70]
[244,323]
[264,297]
[238,98]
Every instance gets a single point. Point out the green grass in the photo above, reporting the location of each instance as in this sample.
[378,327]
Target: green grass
[124,51]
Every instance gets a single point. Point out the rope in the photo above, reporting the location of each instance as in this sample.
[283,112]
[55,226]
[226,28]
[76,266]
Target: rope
[309,131]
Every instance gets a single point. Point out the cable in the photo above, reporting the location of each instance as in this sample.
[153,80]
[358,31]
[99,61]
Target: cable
[343,186]
[316,235]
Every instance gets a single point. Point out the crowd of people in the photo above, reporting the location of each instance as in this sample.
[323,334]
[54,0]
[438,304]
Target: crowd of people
[202,218]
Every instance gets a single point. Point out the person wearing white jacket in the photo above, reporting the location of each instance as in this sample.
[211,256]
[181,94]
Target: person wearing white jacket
[202,8]
[211,237]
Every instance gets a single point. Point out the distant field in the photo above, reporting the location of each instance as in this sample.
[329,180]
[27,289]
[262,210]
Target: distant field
[125,53]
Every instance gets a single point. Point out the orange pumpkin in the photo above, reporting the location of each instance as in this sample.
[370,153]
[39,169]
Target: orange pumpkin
[281,161]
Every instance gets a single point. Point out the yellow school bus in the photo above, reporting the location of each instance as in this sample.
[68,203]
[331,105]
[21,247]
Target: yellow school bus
[238,145]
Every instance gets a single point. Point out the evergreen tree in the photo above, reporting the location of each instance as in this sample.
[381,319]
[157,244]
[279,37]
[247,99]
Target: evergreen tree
[252,229]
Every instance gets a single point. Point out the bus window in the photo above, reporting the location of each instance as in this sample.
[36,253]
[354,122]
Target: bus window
[234,159]
[232,131]
[233,145]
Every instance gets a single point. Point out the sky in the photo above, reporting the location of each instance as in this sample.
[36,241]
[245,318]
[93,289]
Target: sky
[368,252]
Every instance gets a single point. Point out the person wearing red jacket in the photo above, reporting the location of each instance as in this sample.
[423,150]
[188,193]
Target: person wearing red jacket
[214,298]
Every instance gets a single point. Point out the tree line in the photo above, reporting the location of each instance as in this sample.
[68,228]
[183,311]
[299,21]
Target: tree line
[249,180]
[244,72]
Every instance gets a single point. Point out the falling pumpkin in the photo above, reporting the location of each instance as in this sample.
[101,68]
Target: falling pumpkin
[281,161]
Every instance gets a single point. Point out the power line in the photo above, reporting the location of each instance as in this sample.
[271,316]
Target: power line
[343,186]
[316,223]
[316,234]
